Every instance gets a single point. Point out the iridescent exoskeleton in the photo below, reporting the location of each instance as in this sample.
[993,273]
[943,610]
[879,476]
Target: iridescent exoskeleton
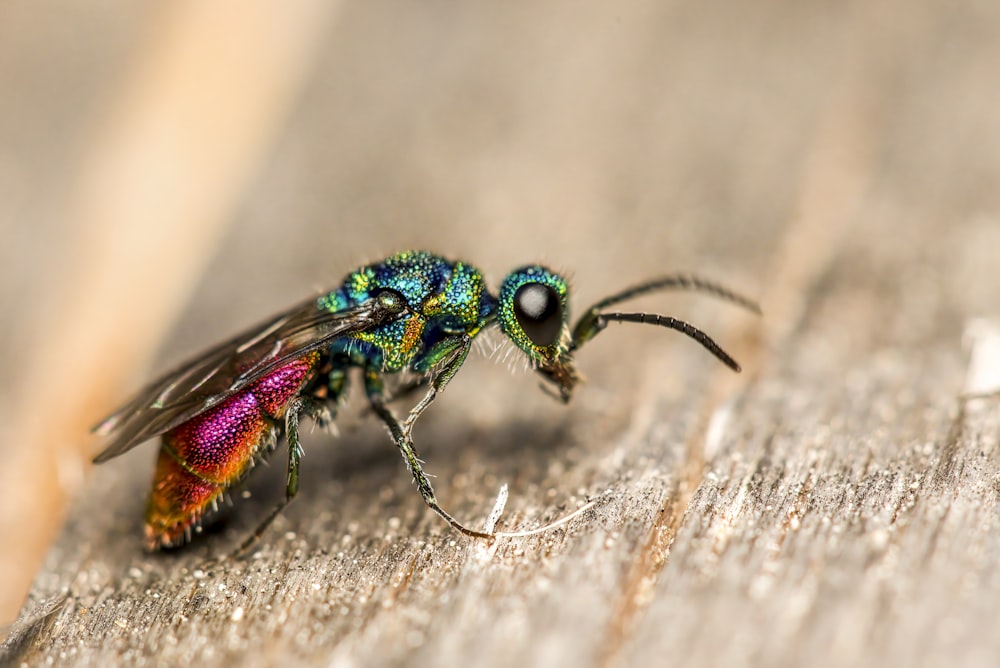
[413,312]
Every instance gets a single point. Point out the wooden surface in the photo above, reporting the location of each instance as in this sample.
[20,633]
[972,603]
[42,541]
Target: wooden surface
[156,183]
[836,504]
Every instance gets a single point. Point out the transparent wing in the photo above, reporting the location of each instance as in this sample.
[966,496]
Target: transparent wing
[210,378]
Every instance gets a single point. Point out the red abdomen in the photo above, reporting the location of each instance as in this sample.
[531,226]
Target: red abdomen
[203,457]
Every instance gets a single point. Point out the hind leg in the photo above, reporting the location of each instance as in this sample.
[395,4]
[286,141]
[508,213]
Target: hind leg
[296,408]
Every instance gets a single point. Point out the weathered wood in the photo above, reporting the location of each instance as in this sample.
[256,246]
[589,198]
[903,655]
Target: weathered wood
[836,504]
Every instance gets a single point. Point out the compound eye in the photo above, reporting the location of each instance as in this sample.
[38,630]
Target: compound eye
[538,310]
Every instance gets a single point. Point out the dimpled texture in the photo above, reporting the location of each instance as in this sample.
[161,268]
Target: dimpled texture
[508,320]
[444,297]
[176,503]
[202,457]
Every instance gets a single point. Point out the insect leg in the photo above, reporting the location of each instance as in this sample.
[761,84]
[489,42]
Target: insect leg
[450,357]
[299,405]
[401,438]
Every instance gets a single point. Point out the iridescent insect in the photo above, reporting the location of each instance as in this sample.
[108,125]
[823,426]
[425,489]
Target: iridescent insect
[416,312]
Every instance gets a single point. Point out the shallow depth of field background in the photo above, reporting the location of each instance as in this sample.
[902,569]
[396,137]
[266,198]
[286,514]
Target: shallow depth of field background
[613,141]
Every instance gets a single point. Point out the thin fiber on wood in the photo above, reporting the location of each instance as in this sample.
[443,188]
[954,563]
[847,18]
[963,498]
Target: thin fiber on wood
[836,504]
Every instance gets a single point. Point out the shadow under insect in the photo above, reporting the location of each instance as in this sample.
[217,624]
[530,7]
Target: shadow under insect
[345,476]
[414,314]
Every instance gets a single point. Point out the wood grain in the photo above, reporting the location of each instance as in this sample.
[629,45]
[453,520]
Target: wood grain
[837,504]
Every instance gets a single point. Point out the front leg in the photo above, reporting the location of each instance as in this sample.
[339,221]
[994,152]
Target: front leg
[401,438]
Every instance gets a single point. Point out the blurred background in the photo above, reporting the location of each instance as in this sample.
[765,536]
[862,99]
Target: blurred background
[172,172]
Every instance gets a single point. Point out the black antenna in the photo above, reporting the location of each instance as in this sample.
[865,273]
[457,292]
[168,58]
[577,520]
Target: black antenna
[701,337]
[593,321]
[682,282]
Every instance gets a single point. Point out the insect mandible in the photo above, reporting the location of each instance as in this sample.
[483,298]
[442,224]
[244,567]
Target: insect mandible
[415,312]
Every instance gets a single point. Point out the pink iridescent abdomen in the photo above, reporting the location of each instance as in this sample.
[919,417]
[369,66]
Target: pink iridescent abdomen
[203,457]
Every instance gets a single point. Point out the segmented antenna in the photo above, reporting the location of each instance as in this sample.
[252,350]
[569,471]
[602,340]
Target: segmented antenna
[682,282]
[593,321]
[671,323]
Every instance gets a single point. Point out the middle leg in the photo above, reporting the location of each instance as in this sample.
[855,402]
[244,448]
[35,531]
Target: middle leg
[400,433]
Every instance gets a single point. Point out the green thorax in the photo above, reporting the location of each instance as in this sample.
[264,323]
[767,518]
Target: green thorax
[446,300]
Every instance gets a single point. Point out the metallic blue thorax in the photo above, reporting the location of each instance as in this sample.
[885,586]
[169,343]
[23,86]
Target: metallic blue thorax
[446,299]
